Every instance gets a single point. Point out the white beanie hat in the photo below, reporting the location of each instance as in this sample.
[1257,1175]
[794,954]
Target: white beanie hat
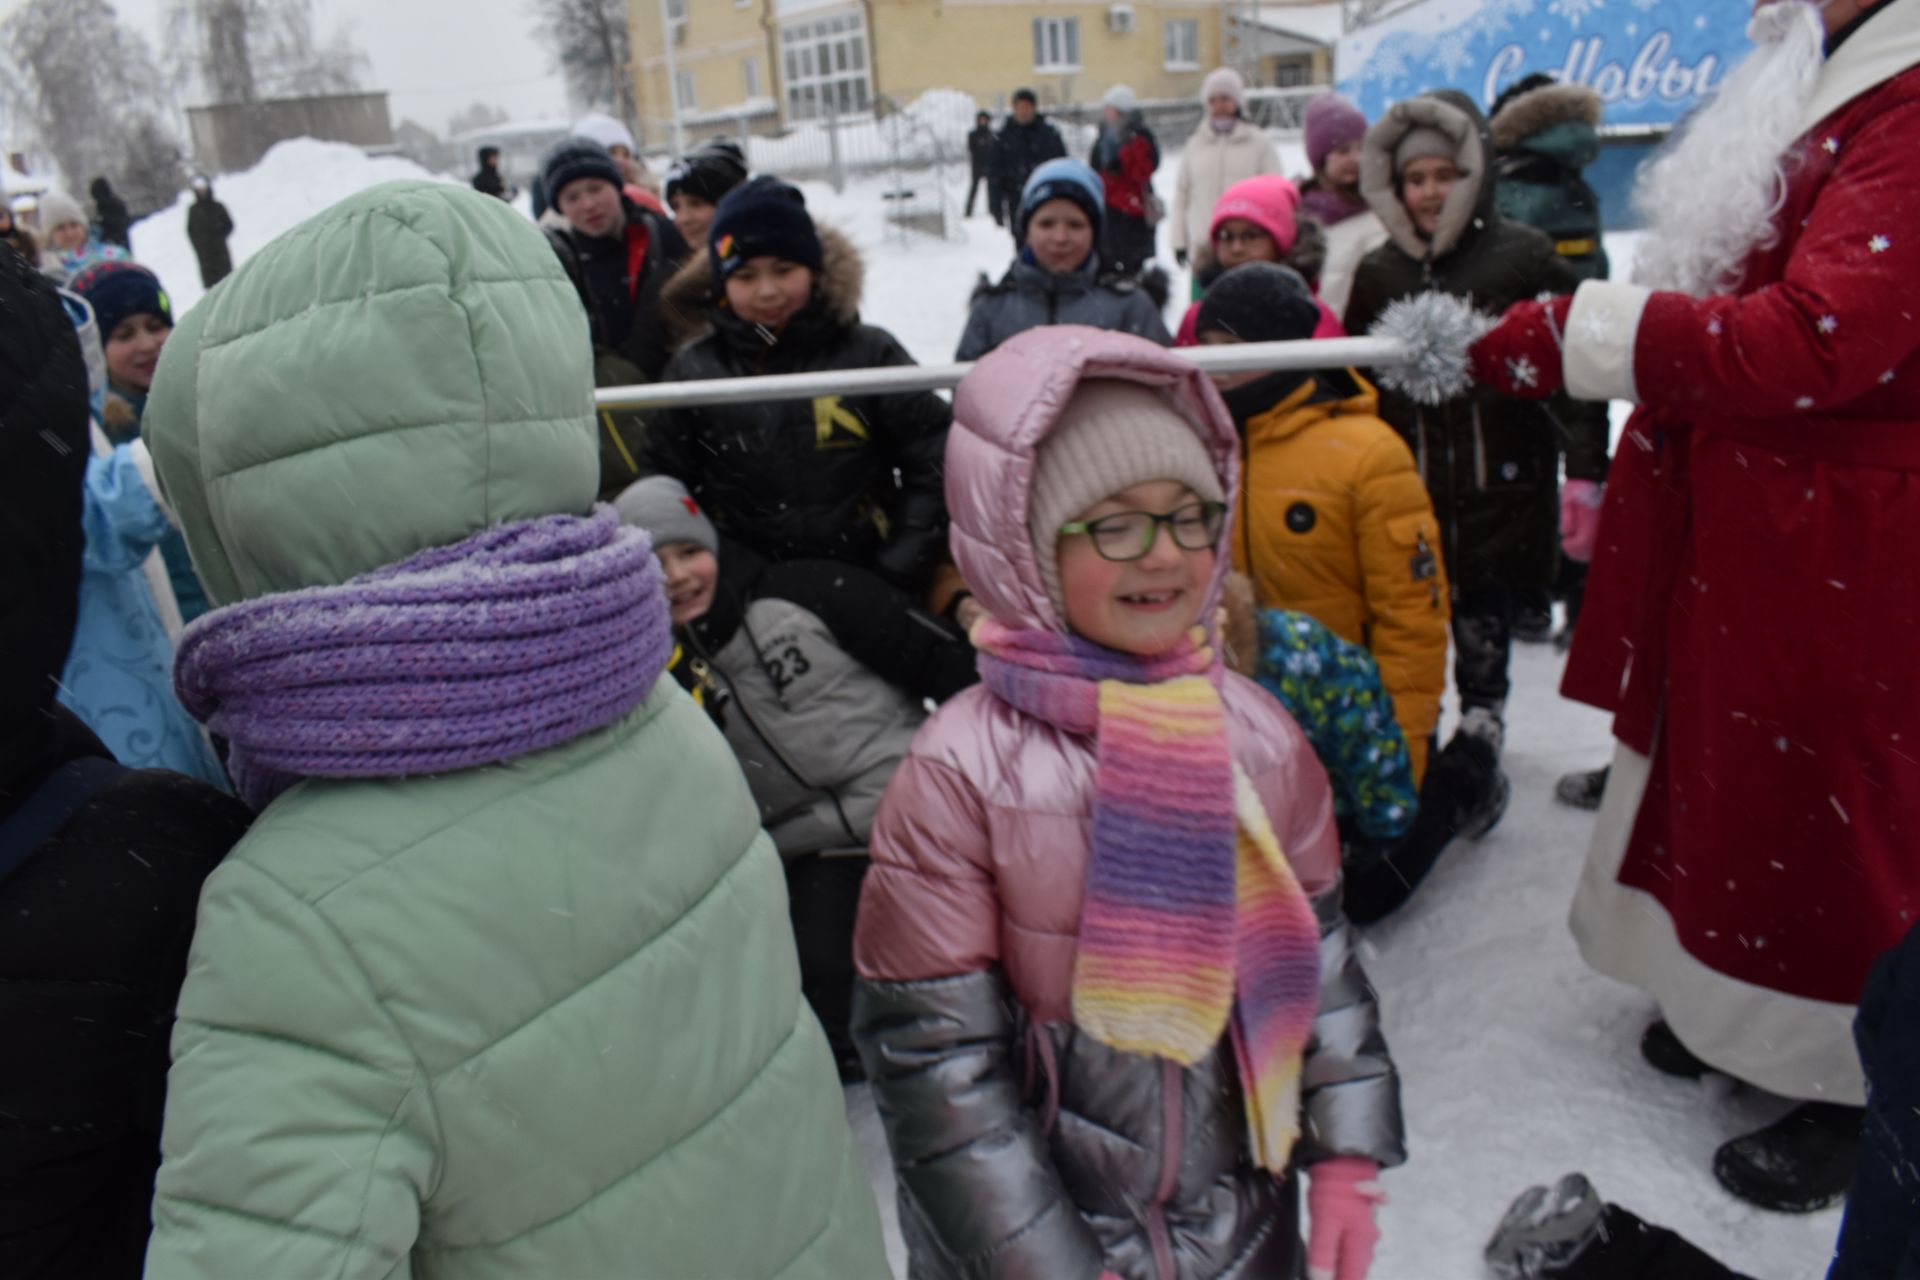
[1111,436]
[56,207]
[1224,80]
[606,131]
[1120,98]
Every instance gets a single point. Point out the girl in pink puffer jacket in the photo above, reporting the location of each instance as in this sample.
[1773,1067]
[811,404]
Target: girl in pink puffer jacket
[1107,998]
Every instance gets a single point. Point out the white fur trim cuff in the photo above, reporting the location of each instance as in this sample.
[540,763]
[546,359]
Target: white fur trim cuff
[1598,347]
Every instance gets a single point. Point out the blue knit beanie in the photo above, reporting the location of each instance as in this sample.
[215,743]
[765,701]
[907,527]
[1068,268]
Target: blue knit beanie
[762,218]
[571,159]
[1062,179]
[117,290]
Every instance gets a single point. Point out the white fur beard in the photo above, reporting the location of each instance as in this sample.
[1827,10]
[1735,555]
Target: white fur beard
[1711,196]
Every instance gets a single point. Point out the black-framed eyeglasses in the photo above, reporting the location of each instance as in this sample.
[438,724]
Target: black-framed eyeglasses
[1129,535]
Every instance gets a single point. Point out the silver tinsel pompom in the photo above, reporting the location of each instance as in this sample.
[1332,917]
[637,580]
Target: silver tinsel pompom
[1440,329]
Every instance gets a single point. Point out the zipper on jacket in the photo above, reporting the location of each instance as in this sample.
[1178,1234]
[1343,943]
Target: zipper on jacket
[1172,1139]
[1420,441]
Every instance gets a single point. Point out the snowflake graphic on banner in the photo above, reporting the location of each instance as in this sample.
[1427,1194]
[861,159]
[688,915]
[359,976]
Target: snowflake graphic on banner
[1575,10]
[1389,63]
[1645,6]
[1451,54]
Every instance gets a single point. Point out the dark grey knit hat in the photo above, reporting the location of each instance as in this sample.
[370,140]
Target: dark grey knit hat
[571,159]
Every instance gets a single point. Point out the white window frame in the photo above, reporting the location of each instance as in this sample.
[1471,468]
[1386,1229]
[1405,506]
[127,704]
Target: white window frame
[750,77]
[1056,45]
[826,60]
[685,94]
[1171,33]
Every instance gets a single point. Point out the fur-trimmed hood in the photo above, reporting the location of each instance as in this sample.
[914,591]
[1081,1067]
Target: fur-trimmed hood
[689,299]
[1540,109]
[1471,202]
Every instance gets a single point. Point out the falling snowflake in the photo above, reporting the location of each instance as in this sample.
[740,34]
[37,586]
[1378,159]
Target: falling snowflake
[1522,372]
[1804,402]
[1829,324]
[1633,28]
[1451,55]
[1715,328]
[1575,10]
[1879,244]
[1831,146]
[1886,377]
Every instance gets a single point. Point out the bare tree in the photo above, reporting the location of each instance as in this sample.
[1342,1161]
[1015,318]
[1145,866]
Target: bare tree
[94,95]
[247,50]
[591,50]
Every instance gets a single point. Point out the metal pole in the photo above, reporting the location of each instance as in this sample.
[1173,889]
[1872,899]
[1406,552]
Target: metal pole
[673,79]
[836,165]
[1324,353]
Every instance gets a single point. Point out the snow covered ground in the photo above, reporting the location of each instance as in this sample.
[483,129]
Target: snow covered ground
[1519,1062]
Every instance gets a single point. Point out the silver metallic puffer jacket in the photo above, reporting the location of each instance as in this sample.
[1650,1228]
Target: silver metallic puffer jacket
[1035,1151]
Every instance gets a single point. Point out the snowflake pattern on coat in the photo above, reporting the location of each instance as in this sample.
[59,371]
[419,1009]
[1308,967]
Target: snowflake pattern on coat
[1333,689]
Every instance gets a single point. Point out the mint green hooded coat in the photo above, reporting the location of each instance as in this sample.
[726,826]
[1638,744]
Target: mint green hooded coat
[540,1019]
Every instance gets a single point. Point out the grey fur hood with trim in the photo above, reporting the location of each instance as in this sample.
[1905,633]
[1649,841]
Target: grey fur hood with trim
[1541,109]
[1468,207]
[689,299]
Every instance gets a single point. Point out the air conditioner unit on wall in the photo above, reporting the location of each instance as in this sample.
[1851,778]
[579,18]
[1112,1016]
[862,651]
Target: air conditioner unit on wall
[1120,19]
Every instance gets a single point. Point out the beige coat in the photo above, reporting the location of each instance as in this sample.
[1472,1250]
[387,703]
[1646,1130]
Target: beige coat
[1210,164]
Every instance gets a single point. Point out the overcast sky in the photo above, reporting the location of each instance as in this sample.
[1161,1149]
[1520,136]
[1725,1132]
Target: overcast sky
[434,57]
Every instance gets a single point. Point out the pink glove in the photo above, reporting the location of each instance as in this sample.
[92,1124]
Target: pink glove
[1520,356]
[1341,1195]
[1579,519]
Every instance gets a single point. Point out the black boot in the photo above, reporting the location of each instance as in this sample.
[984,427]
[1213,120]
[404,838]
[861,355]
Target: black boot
[1532,624]
[1475,752]
[1583,790]
[1801,1163]
[1663,1049]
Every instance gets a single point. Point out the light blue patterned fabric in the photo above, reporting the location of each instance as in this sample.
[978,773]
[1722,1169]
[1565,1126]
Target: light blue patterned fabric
[1332,688]
[119,673]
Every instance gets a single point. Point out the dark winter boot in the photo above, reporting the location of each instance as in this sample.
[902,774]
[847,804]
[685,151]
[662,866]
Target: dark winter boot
[1663,1049]
[1583,790]
[1475,750]
[1801,1163]
[1532,625]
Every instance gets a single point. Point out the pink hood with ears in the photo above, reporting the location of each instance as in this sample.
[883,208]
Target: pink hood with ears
[1002,412]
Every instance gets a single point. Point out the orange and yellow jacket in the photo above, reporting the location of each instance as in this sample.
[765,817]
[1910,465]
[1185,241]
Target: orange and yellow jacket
[1335,522]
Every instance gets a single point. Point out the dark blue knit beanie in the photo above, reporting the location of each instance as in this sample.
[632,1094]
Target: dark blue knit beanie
[571,159]
[762,218]
[117,290]
[1062,179]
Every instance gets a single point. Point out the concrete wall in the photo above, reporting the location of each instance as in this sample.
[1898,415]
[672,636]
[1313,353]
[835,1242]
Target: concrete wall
[229,138]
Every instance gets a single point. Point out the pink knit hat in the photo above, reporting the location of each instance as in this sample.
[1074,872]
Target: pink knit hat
[1268,202]
[1331,123]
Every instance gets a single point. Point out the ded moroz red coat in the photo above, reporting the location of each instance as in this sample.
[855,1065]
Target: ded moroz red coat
[1753,615]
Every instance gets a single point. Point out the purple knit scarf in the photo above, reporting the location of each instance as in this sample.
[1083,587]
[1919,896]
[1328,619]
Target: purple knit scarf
[515,639]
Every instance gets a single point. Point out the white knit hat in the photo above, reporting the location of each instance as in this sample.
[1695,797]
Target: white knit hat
[1111,436]
[1224,80]
[1120,98]
[606,131]
[56,207]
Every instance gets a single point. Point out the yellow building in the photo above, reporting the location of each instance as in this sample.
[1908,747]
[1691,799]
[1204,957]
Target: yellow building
[767,62]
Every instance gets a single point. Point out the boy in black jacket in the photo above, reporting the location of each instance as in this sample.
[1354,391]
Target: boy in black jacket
[856,478]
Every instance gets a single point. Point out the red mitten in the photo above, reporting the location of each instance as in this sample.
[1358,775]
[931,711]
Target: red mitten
[1520,356]
[1579,519]
[1341,1196]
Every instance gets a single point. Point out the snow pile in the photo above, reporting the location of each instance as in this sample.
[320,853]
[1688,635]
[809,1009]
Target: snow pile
[292,182]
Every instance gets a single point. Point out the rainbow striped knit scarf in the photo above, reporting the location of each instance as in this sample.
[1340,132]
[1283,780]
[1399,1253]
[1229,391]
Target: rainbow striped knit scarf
[1194,923]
